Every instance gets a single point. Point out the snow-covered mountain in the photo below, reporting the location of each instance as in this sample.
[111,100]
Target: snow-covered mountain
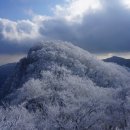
[119,60]
[59,86]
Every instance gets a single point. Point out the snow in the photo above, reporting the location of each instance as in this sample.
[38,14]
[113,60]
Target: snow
[63,87]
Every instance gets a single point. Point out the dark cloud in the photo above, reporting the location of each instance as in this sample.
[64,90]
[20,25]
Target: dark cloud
[106,30]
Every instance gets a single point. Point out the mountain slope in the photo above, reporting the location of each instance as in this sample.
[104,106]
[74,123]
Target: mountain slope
[63,87]
[6,71]
[119,60]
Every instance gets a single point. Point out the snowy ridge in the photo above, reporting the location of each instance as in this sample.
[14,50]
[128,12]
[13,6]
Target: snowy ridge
[63,87]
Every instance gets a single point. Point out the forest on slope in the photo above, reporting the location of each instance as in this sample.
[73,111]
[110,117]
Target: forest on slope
[59,86]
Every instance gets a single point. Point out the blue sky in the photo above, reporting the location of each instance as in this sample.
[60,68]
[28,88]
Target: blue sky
[101,27]
[18,9]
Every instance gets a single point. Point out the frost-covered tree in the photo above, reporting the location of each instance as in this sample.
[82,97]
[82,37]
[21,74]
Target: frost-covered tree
[16,118]
[62,87]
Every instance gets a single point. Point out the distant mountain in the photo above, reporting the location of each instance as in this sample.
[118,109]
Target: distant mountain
[119,60]
[6,71]
[59,86]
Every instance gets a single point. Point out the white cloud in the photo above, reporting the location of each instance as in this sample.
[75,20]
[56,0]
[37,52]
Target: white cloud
[39,19]
[95,25]
[74,10]
[126,3]
[18,30]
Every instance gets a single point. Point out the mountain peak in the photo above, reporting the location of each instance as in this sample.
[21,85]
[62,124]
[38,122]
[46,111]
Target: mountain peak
[119,60]
[116,57]
[57,56]
[62,86]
